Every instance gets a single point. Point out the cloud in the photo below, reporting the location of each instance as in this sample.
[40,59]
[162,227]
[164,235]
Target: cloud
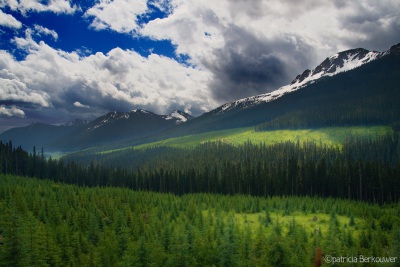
[25,6]
[118,15]
[11,112]
[15,91]
[9,21]
[253,47]
[40,30]
[375,24]
[80,105]
[73,85]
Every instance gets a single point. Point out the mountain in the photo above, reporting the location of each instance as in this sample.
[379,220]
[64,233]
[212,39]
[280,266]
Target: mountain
[122,126]
[362,83]
[37,134]
[110,128]
[341,62]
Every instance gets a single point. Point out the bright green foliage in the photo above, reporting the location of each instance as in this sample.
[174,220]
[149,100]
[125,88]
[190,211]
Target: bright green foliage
[327,136]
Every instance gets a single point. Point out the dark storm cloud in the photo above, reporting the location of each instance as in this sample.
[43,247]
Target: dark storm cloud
[238,74]
[248,65]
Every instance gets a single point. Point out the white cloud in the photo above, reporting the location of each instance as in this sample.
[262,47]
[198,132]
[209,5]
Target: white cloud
[9,21]
[40,30]
[118,80]
[24,6]
[196,27]
[80,105]
[17,91]
[117,15]
[11,112]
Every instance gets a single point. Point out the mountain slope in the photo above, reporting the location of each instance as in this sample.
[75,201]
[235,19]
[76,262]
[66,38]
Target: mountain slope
[356,82]
[37,134]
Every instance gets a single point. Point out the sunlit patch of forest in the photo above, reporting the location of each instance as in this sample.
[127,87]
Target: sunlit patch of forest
[239,136]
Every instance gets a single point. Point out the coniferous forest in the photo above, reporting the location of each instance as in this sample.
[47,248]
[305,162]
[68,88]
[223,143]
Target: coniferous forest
[362,169]
[287,204]
[51,224]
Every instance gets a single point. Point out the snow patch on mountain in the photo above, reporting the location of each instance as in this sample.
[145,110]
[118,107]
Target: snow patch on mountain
[179,116]
[76,122]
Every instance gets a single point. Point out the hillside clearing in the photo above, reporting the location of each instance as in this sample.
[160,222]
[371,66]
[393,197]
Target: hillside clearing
[331,136]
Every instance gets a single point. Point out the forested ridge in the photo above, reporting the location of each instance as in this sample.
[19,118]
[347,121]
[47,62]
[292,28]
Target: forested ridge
[43,223]
[362,169]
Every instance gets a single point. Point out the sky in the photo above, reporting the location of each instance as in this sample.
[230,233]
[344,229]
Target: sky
[62,60]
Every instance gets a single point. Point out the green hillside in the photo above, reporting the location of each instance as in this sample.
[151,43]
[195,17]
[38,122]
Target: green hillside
[330,136]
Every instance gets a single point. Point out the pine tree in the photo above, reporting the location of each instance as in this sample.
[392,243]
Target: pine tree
[228,249]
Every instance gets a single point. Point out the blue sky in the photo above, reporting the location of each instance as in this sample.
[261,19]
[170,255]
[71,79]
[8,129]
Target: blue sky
[61,60]
[74,32]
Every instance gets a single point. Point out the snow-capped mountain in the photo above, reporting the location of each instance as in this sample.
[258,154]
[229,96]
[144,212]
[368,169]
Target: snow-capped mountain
[338,63]
[107,129]
[354,78]
[115,127]
[175,117]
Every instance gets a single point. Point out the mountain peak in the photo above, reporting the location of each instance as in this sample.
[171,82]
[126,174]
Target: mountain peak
[340,62]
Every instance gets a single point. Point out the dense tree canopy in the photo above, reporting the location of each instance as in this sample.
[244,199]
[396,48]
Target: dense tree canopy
[43,223]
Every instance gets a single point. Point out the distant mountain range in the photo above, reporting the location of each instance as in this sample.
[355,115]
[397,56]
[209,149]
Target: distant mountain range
[110,128]
[352,87]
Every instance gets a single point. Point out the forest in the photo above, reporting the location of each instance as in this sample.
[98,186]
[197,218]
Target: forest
[364,169]
[44,223]
[215,204]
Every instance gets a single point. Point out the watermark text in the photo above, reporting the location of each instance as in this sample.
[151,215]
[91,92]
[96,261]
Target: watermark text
[358,259]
